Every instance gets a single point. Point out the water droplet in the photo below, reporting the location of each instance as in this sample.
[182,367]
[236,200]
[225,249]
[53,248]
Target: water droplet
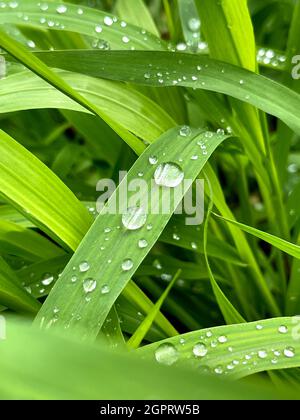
[185,131]
[143,243]
[98,29]
[153,160]
[74,279]
[125,39]
[283,329]
[84,267]
[127,265]
[61,9]
[289,352]
[89,285]
[259,327]
[176,237]
[219,370]
[134,218]
[223,339]
[200,350]
[169,175]
[47,279]
[194,24]
[166,354]
[105,289]
[262,354]
[108,21]
[194,245]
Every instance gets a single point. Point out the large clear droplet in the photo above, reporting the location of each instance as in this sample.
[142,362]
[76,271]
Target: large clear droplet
[84,267]
[47,279]
[166,354]
[127,265]
[134,218]
[200,350]
[89,285]
[169,175]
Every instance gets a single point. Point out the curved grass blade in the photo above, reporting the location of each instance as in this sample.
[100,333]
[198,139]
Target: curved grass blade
[25,243]
[27,91]
[39,194]
[187,70]
[235,351]
[285,246]
[107,265]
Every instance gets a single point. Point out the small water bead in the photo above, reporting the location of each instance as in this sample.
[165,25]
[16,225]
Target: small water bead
[166,277]
[194,245]
[80,11]
[143,243]
[194,24]
[134,218]
[242,82]
[219,370]
[44,7]
[259,327]
[107,230]
[105,289]
[74,279]
[101,44]
[98,29]
[166,354]
[108,21]
[84,267]
[47,279]
[157,264]
[283,329]
[195,157]
[262,354]
[125,39]
[147,76]
[176,237]
[153,160]
[289,352]
[89,285]
[61,9]
[169,175]
[31,44]
[127,265]
[185,131]
[149,227]
[223,339]
[200,350]
[209,334]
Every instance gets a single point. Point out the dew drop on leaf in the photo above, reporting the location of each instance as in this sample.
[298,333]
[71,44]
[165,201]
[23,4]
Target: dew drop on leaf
[134,218]
[127,265]
[200,350]
[84,267]
[166,354]
[169,175]
[89,285]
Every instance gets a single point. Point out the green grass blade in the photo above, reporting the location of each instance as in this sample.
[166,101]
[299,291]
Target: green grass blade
[139,335]
[260,91]
[69,297]
[285,246]
[237,350]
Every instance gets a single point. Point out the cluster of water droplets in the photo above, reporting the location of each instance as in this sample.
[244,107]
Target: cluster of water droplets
[168,353]
[271,58]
